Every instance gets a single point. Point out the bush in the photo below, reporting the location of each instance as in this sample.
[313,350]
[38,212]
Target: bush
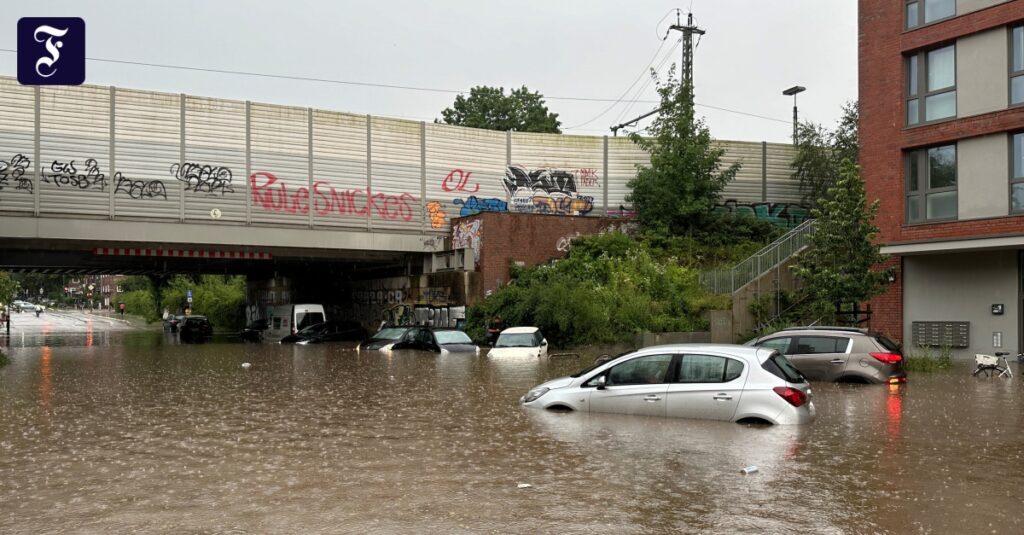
[608,289]
[924,359]
[140,303]
[218,297]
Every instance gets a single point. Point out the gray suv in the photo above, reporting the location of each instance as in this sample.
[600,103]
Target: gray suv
[839,354]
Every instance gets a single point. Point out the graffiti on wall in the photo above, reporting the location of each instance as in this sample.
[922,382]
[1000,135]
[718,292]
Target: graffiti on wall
[785,215]
[473,205]
[437,215]
[199,178]
[587,177]
[140,189]
[67,175]
[461,180]
[466,235]
[564,243]
[545,191]
[274,196]
[12,173]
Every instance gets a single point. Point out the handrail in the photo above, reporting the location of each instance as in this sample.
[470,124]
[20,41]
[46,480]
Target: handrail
[721,281]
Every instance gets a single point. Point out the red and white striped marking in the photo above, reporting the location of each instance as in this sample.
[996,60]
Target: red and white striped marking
[181,253]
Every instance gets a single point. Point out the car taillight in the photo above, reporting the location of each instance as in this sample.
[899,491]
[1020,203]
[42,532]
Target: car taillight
[795,397]
[888,358]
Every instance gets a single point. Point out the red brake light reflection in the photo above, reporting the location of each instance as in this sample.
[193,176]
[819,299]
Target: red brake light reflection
[888,358]
[795,397]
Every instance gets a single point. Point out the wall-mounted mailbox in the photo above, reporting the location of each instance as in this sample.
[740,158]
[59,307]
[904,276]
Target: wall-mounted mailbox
[997,309]
[953,334]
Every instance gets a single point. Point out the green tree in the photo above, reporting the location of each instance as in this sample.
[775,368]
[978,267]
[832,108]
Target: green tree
[9,288]
[489,108]
[837,268]
[820,153]
[676,194]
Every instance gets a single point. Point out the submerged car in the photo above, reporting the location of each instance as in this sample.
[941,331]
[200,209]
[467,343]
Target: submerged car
[253,332]
[704,381]
[436,340]
[520,342]
[328,331]
[384,339]
[195,329]
[839,354]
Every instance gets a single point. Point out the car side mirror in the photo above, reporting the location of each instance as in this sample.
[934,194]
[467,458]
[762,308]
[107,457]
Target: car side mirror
[543,342]
[600,382]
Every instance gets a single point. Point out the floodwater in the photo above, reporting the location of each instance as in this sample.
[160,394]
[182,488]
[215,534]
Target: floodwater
[130,432]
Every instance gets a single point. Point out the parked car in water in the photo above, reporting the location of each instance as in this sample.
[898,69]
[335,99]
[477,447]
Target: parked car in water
[839,354]
[520,342]
[703,381]
[328,331]
[173,322]
[22,306]
[384,339]
[436,340]
[290,319]
[253,332]
[195,329]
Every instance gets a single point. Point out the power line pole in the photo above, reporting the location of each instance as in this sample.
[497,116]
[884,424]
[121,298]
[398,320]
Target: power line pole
[688,31]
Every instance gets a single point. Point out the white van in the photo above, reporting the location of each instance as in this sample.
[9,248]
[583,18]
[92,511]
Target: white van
[289,319]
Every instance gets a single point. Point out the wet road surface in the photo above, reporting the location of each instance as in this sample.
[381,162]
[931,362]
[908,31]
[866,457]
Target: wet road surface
[130,432]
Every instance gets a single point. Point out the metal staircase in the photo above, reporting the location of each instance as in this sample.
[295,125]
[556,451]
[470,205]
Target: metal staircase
[727,281]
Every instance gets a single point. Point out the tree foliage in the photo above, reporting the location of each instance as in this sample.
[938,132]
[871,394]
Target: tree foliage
[606,290]
[837,268]
[491,109]
[820,153]
[676,194]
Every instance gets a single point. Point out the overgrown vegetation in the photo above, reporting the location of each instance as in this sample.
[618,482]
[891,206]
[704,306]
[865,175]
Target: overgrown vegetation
[607,289]
[928,359]
[8,288]
[220,298]
[820,153]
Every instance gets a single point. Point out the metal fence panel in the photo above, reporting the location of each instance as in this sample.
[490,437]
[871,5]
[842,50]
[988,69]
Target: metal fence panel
[395,174]
[74,149]
[557,174]
[782,188]
[465,173]
[17,146]
[339,169]
[213,172]
[147,140]
[280,168]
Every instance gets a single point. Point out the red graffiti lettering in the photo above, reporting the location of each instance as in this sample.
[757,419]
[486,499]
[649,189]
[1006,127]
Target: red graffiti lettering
[273,196]
[463,180]
[587,177]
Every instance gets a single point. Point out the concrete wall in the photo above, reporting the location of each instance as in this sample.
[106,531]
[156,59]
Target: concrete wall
[983,177]
[981,73]
[963,287]
[966,6]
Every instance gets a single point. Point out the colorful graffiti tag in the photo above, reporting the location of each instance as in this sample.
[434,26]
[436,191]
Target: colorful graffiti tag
[466,234]
[785,215]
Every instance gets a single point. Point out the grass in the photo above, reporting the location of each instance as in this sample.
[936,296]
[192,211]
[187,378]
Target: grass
[925,359]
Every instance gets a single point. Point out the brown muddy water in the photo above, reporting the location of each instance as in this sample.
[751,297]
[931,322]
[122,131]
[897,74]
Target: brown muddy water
[134,433]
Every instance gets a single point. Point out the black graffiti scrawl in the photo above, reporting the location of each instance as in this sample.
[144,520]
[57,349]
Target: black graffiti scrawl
[140,189]
[545,191]
[67,175]
[200,178]
[12,173]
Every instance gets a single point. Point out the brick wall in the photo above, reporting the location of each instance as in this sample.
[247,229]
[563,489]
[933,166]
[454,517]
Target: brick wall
[532,239]
[887,309]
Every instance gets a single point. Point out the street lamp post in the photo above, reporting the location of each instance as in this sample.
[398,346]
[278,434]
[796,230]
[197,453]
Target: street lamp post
[793,91]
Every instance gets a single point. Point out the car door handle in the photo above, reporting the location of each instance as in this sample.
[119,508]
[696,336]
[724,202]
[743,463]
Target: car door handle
[651,398]
[837,361]
[722,397]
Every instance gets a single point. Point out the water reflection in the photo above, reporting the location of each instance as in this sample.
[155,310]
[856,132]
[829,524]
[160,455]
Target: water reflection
[140,433]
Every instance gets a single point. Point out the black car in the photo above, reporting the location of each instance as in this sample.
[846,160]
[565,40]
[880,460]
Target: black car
[328,331]
[253,332]
[172,323]
[385,338]
[195,329]
[436,340]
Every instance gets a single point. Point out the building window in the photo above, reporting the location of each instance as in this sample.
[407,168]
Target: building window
[928,11]
[1017,66]
[931,184]
[931,85]
[1017,173]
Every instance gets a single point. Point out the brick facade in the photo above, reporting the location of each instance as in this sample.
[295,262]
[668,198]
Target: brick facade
[506,238]
[883,44]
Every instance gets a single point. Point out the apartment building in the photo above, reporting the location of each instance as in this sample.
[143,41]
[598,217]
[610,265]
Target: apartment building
[942,148]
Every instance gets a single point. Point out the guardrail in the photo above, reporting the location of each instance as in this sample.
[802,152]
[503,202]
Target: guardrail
[722,281]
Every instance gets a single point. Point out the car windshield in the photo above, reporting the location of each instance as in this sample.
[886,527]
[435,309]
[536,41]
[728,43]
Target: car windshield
[452,337]
[313,329]
[516,340]
[389,334]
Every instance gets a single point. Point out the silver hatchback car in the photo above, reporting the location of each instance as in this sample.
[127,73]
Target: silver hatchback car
[839,354]
[704,381]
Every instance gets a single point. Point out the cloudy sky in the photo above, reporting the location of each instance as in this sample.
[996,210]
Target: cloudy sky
[588,57]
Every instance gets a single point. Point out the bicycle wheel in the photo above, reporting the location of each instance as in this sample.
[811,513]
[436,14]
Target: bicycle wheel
[989,371]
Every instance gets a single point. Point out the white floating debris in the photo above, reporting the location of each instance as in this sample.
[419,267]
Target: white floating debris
[749,470]
[246,365]
[525,485]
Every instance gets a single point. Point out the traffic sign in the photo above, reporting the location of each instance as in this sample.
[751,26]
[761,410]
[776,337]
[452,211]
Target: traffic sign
[188,294]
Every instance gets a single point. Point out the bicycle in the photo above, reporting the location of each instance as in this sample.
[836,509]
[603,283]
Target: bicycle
[992,366]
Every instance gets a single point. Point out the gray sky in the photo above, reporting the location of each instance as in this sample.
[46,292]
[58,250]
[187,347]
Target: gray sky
[592,49]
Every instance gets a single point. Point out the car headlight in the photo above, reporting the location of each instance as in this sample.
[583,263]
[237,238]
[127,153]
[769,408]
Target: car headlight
[302,342]
[535,394]
[386,347]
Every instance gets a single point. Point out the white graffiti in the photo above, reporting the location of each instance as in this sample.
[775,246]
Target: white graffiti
[52,47]
[565,242]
